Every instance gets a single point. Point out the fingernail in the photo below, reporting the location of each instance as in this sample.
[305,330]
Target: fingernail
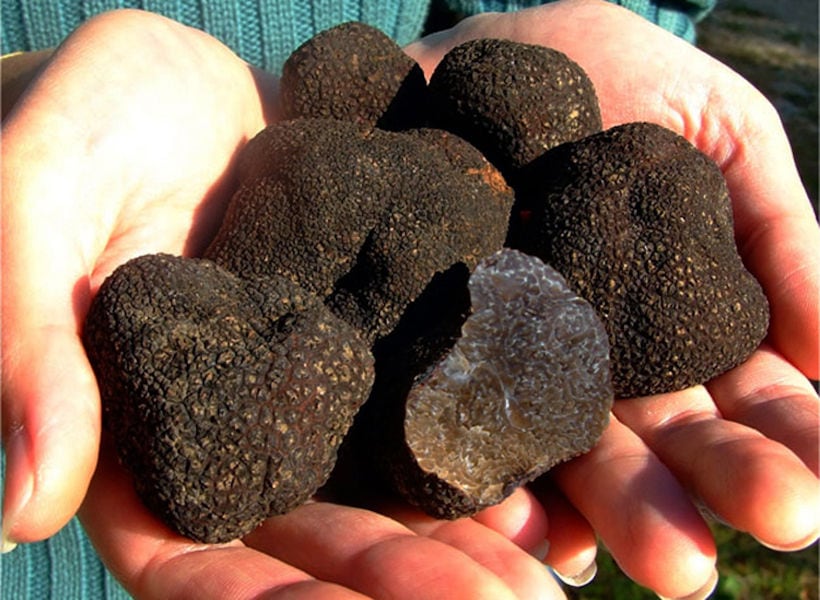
[18,486]
[582,578]
[541,550]
[806,542]
[709,514]
[6,545]
[703,592]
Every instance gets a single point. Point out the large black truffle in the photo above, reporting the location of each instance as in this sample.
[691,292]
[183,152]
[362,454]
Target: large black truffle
[354,72]
[513,101]
[226,398]
[362,218]
[487,383]
[640,223]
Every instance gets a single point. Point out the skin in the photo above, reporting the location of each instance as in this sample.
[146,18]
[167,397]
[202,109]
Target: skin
[152,136]
[746,444]
[112,153]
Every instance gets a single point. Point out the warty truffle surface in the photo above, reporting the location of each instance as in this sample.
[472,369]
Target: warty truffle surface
[354,72]
[513,101]
[363,218]
[226,398]
[640,223]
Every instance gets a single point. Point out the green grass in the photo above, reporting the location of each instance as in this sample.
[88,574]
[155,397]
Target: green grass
[751,571]
[748,571]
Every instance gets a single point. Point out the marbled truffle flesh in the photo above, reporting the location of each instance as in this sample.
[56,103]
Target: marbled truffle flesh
[640,223]
[523,386]
[513,101]
[354,72]
[226,398]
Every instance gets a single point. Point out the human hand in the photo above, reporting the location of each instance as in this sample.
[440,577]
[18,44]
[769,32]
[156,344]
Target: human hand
[125,145]
[322,550]
[122,146]
[745,445]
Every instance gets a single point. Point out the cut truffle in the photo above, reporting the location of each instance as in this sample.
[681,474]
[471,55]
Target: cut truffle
[354,72]
[226,398]
[503,376]
[362,218]
[640,223]
[513,101]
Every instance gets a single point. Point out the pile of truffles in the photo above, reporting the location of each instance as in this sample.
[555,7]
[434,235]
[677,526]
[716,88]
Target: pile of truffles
[435,290]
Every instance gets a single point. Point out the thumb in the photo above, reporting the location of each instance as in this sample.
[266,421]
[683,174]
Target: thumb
[51,426]
[51,414]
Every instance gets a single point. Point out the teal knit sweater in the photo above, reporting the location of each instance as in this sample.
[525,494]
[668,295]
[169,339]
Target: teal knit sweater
[263,32]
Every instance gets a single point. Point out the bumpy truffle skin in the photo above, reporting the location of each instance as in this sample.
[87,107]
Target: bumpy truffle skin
[362,218]
[495,398]
[513,101]
[640,224]
[227,399]
[354,72]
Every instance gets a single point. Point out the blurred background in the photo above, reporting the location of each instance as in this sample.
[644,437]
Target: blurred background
[774,45]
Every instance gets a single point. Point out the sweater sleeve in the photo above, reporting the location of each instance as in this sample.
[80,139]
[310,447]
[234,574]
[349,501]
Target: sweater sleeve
[263,32]
[677,16]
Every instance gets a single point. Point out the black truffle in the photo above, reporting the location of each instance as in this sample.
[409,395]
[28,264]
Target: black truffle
[354,72]
[513,101]
[226,398]
[502,377]
[640,223]
[362,218]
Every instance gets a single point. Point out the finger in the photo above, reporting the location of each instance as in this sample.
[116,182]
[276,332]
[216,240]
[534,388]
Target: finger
[516,566]
[572,542]
[641,514]
[52,429]
[753,483]
[769,394]
[780,245]
[374,555]
[521,519]
[152,561]
[50,403]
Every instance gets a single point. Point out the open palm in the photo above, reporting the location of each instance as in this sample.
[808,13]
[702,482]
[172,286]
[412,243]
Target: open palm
[745,445]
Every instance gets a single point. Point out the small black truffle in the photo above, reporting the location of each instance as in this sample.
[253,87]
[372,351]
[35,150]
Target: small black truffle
[226,398]
[354,72]
[362,218]
[513,101]
[519,383]
[640,223]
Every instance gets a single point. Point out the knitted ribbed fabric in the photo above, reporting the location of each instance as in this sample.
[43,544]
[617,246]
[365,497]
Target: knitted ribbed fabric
[677,16]
[263,32]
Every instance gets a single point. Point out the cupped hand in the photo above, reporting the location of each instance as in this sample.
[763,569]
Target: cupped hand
[125,145]
[321,550]
[122,146]
[744,446]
